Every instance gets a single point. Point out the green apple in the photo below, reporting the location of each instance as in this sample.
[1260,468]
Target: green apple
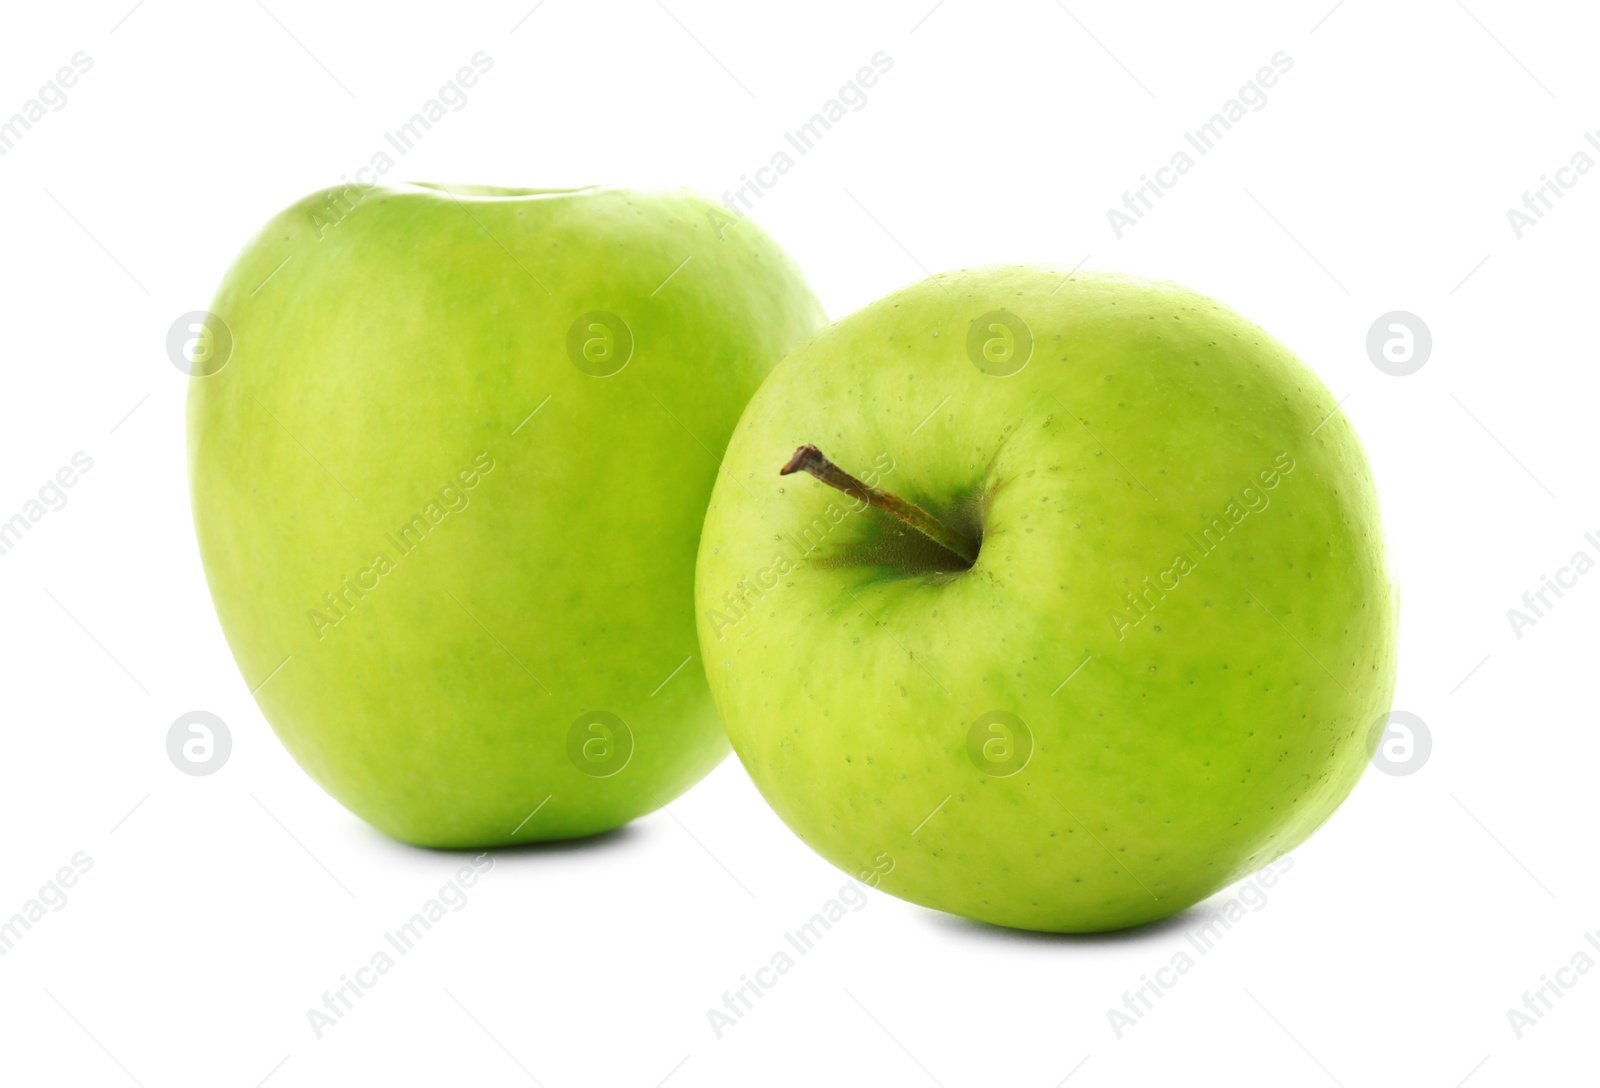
[449,485]
[1085,615]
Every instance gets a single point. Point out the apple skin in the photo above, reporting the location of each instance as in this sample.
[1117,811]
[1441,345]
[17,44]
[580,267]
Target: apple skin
[509,570]
[1169,756]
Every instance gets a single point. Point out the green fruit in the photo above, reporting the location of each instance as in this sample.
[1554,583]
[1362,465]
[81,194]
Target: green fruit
[449,486]
[1161,671]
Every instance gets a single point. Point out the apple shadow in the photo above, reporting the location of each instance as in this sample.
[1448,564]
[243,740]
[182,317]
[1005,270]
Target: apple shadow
[1149,932]
[629,834]
[601,841]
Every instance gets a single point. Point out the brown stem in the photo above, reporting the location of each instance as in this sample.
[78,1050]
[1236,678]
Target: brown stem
[809,459]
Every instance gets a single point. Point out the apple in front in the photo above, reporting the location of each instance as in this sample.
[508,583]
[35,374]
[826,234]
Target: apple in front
[448,487]
[1070,598]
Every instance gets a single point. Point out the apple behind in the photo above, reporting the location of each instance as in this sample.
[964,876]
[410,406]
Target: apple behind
[449,485]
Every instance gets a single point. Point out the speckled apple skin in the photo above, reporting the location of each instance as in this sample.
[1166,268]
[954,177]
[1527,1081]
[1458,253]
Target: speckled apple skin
[1175,747]
[390,344]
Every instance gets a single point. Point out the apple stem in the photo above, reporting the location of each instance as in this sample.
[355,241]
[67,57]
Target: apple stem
[810,460]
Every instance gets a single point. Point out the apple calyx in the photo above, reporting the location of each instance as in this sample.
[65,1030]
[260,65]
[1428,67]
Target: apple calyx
[814,462]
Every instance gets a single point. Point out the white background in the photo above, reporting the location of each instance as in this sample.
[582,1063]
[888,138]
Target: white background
[1376,178]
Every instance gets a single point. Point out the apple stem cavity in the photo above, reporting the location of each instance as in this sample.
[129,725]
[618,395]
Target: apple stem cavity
[814,462]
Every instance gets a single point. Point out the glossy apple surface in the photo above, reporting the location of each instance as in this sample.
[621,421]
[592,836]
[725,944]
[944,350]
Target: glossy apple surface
[1162,669]
[448,488]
